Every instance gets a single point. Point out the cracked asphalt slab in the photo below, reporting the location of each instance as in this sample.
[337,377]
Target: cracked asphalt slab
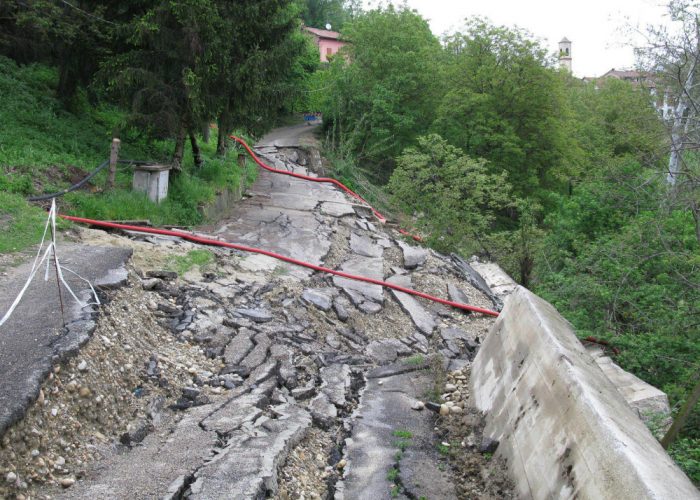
[34,337]
[254,364]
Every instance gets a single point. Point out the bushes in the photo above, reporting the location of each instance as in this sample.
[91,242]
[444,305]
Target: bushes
[687,453]
[454,195]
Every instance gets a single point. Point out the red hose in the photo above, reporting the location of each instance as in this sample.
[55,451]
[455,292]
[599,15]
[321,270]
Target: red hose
[329,180]
[208,241]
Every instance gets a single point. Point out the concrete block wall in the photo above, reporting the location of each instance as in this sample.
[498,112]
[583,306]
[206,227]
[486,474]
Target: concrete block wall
[649,403]
[563,427]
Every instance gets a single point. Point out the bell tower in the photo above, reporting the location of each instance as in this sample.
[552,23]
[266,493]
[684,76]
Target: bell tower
[565,54]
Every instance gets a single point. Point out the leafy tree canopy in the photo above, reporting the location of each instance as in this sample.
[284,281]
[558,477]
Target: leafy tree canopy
[318,13]
[385,96]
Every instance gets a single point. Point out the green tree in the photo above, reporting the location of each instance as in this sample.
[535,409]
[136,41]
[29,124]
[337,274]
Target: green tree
[161,73]
[258,66]
[455,198]
[621,263]
[611,119]
[318,13]
[74,38]
[384,95]
[504,103]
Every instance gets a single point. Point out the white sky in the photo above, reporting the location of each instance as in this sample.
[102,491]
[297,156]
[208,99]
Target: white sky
[599,29]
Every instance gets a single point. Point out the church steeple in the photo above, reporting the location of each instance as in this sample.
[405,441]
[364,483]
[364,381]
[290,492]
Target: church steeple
[565,54]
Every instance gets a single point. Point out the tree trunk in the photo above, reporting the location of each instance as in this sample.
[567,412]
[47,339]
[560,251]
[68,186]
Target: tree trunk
[527,263]
[695,209]
[681,418]
[681,118]
[206,133]
[179,148]
[223,132]
[67,85]
[196,153]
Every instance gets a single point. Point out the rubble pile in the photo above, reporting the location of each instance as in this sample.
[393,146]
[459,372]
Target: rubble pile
[250,377]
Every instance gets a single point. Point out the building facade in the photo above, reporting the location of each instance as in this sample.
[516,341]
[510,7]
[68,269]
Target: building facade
[328,42]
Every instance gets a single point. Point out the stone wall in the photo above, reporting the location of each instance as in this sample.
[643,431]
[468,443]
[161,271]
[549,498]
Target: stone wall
[563,427]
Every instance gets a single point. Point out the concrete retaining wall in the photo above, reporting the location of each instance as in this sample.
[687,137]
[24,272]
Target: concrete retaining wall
[496,278]
[563,427]
[223,204]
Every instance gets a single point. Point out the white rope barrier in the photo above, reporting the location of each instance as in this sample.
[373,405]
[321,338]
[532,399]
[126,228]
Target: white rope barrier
[49,254]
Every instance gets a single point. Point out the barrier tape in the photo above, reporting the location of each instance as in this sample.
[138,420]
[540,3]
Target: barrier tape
[48,254]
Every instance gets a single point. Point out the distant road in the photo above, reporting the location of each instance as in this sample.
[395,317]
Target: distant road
[291,137]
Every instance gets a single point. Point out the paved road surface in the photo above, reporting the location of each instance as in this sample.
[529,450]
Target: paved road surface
[34,337]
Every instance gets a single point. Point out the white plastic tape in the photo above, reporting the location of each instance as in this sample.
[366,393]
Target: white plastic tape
[48,254]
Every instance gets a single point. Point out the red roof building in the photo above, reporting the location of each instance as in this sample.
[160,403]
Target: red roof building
[328,42]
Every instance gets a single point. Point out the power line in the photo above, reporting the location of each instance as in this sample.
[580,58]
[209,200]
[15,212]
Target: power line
[87,13]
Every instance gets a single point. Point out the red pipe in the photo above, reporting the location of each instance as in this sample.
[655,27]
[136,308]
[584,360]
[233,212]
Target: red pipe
[329,180]
[208,241]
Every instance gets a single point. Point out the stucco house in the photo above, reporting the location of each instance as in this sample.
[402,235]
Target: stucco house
[328,42]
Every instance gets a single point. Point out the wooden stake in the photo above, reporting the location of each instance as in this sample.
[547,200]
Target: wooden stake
[58,279]
[113,157]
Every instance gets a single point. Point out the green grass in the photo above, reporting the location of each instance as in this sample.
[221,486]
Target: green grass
[392,474]
[280,271]
[37,134]
[403,434]
[44,148]
[187,191]
[185,195]
[402,444]
[183,263]
[443,449]
[21,224]
[415,360]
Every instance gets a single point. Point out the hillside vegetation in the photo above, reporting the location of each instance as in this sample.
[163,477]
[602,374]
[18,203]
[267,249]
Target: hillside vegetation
[45,148]
[154,74]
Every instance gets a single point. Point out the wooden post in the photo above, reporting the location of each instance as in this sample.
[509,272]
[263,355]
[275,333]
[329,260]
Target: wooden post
[243,169]
[113,157]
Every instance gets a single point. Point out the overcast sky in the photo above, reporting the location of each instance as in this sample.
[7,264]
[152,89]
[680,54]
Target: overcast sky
[598,28]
